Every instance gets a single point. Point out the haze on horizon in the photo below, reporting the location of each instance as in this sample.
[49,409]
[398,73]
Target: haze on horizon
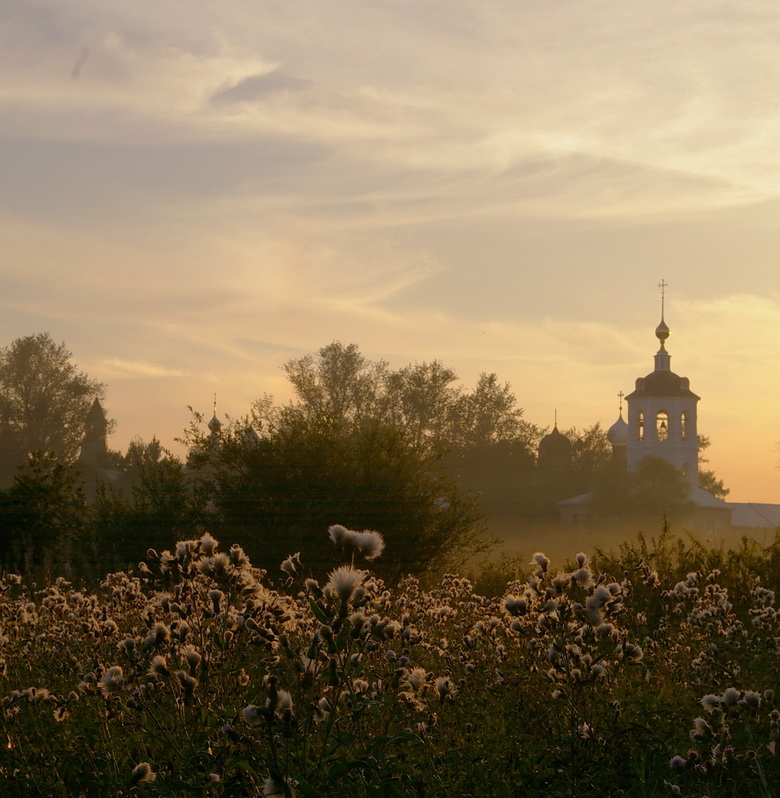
[193,194]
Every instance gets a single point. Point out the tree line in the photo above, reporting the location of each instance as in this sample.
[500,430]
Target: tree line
[409,451]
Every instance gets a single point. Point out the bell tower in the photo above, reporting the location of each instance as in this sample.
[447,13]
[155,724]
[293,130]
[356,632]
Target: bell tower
[662,413]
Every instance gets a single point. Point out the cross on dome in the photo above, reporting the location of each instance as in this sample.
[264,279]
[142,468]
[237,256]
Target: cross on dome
[662,331]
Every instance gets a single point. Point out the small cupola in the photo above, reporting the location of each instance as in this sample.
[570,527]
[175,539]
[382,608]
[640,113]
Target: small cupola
[617,434]
[215,425]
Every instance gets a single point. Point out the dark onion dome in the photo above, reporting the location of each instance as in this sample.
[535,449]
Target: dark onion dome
[617,434]
[555,449]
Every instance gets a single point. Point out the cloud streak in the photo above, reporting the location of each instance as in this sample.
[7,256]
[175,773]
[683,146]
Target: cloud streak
[114,368]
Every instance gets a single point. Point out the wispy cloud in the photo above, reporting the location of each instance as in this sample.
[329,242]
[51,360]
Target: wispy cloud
[258,87]
[113,368]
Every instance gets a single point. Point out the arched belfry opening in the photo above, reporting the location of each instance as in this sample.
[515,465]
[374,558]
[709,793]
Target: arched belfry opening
[662,426]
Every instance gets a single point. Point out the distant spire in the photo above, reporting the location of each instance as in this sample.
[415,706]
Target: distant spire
[662,331]
[620,403]
[556,418]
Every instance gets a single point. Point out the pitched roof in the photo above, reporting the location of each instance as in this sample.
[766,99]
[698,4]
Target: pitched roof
[755,514]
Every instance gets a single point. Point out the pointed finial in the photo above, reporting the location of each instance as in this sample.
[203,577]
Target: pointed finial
[620,405]
[556,418]
[662,331]
[215,403]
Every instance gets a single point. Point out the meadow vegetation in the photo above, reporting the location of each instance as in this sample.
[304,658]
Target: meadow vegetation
[651,670]
[307,659]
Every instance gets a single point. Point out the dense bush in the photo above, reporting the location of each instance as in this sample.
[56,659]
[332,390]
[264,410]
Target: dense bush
[197,675]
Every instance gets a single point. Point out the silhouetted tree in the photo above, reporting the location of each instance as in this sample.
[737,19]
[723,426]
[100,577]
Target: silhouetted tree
[478,437]
[278,494]
[707,479]
[591,449]
[44,400]
[44,507]
[152,504]
[659,487]
[337,386]
[654,489]
[423,402]
[362,445]
[500,475]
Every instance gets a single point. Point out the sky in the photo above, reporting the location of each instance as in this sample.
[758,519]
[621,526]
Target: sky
[193,193]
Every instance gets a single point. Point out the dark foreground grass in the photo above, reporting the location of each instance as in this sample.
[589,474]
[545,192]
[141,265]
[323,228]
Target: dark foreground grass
[651,672]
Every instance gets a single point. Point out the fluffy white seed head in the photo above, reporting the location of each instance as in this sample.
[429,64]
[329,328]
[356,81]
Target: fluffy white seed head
[343,581]
[112,681]
[367,544]
[208,545]
[142,774]
[252,715]
[540,559]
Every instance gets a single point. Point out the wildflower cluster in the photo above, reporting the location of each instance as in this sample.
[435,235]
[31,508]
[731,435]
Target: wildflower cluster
[196,674]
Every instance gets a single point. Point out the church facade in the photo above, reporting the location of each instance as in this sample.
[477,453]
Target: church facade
[662,423]
[662,412]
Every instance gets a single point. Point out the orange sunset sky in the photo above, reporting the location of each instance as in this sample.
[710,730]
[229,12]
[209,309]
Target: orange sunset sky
[192,193]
